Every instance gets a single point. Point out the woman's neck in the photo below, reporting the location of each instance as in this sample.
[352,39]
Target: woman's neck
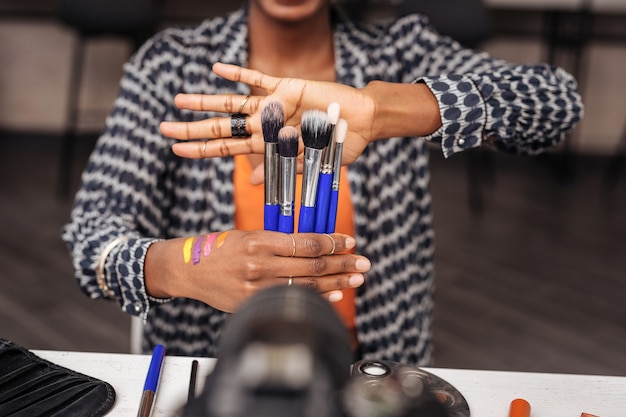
[297,50]
[302,49]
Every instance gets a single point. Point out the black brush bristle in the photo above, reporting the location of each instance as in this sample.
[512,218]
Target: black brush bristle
[288,142]
[316,129]
[272,120]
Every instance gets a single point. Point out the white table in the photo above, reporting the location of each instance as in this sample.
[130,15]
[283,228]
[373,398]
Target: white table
[488,393]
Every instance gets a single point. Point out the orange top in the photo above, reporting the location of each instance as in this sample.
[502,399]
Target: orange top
[249,206]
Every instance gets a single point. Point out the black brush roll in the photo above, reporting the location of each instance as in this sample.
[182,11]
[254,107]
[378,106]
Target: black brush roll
[31,386]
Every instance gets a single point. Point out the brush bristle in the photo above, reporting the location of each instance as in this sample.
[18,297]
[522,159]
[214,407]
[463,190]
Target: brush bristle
[316,129]
[333,112]
[341,130]
[288,142]
[272,120]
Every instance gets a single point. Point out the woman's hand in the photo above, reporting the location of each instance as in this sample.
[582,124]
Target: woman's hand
[296,95]
[379,110]
[225,269]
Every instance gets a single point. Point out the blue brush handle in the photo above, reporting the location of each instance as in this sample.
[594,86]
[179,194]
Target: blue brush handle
[332,212]
[324,187]
[306,222]
[270,219]
[154,371]
[285,224]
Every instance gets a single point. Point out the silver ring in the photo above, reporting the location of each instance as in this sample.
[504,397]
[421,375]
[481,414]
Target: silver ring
[332,252]
[238,125]
[290,281]
[293,241]
[203,149]
[245,100]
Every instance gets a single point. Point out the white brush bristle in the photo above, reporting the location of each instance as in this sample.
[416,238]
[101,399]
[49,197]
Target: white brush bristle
[333,112]
[315,128]
[341,130]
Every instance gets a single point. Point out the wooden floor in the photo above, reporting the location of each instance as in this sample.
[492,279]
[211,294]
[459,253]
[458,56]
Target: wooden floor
[535,281]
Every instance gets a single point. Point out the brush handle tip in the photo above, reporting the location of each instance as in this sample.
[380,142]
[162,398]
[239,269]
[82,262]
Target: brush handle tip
[322,202]
[270,217]
[285,224]
[332,212]
[306,221]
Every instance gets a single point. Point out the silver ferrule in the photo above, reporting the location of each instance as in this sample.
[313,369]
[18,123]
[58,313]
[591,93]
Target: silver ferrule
[310,175]
[329,156]
[287,185]
[337,166]
[271,173]
[145,405]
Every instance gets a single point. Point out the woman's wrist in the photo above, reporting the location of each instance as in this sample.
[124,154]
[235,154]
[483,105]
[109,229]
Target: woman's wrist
[403,109]
[157,277]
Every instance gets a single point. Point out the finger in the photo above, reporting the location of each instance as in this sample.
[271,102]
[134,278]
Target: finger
[313,245]
[330,284]
[244,75]
[213,128]
[323,267]
[258,175]
[220,103]
[216,148]
[334,296]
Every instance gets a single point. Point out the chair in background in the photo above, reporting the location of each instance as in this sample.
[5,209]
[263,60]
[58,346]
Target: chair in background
[134,20]
[466,21]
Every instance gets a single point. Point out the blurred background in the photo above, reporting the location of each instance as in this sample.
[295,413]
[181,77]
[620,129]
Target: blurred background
[531,252]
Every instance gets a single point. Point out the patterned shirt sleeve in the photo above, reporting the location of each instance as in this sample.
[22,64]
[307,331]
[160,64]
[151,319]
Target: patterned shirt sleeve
[519,108]
[122,191]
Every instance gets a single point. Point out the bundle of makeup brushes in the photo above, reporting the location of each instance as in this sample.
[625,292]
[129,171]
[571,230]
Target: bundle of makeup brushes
[323,134]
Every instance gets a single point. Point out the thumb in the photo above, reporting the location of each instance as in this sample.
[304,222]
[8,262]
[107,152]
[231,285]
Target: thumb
[257,175]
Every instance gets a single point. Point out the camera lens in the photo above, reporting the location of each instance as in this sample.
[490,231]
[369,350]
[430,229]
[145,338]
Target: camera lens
[374,369]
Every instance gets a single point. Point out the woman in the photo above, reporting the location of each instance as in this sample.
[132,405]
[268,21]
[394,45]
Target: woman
[143,217]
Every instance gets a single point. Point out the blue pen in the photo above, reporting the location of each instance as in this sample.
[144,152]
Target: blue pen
[152,382]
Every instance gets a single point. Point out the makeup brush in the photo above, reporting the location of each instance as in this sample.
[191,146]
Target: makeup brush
[322,200]
[316,131]
[272,120]
[288,150]
[340,135]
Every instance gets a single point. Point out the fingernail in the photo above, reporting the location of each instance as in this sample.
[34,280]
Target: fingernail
[356,280]
[350,242]
[335,296]
[363,264]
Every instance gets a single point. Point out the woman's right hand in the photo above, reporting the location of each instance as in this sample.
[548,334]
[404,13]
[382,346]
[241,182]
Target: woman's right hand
[224,269]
